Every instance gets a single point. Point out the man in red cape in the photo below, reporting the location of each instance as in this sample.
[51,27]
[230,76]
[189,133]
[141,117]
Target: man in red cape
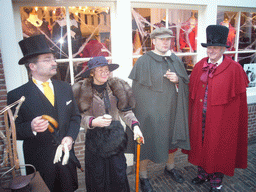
[218,114]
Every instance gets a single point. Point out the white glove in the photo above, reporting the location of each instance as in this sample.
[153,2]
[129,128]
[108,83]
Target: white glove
[66,156]
[58,154]
[137,133]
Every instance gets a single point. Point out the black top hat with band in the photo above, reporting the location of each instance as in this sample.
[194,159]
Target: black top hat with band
[98,62]
[216,36]
[33,46]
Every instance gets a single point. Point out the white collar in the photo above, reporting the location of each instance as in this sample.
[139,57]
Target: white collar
[40,82]
[168,53]
[218,62]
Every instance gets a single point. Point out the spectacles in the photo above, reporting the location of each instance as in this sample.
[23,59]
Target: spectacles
[102,71]
[48,60]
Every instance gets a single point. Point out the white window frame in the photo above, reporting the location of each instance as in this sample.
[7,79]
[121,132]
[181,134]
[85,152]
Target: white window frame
[251,91]
[35,3]
[169,7]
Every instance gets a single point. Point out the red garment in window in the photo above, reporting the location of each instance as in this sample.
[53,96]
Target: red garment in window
[94,48]
[231,38]
[188,37]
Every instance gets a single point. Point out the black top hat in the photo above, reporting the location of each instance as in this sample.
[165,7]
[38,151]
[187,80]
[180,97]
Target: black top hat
[216,36]
[98,62]
[33,46]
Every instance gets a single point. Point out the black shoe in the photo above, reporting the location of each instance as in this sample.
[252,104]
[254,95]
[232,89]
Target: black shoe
[214,189]
[174,174]
[145,185]
[197,181]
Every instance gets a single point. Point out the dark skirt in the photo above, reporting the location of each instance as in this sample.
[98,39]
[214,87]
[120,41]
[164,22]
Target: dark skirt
[105,174]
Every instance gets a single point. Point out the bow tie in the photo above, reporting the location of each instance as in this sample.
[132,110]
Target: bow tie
[208,70]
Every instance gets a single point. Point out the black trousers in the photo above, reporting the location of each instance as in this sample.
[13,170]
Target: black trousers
[66,178]
[105,174]
[58,177]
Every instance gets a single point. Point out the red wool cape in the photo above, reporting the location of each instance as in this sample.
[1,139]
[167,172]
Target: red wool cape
[225,142]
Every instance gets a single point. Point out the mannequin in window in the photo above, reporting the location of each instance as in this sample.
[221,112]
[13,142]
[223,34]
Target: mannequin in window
[33,25]
[188,34]
[231,34]
[59,34]
[33,19]
[192,20]
[225,23]
[94,48]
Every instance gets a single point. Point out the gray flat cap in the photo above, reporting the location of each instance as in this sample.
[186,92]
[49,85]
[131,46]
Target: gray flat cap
[161,32]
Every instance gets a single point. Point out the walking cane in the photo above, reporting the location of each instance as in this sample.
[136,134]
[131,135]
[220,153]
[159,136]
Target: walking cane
[139,142]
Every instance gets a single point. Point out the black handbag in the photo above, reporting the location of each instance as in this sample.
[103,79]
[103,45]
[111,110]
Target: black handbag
[107,141]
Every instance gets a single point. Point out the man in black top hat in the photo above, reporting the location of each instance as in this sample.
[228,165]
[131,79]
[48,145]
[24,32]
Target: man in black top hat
[218,115]
[54,98]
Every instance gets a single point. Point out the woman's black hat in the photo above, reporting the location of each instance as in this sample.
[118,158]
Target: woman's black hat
[98,62]
[216,36]
[33,46]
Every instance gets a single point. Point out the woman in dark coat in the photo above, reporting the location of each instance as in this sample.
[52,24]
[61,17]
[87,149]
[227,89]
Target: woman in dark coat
[98,95]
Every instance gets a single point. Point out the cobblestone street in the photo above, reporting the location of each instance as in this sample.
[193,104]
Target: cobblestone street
[242,181]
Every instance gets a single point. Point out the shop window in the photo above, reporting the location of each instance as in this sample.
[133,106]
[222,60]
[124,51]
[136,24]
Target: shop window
[74,41]
[241,39]
[183,23]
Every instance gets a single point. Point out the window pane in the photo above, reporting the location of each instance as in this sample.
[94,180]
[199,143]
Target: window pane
[63,71]
[95,31]
[247,37]
[60,33]
[89,32]
[183,23]
[42,20]
[230,20]
[246,58]
[36,21]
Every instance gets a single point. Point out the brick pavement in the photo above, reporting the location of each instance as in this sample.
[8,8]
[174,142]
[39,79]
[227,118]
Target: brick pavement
[242,181]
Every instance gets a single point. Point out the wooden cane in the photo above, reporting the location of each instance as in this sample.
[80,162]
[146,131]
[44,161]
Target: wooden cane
[139,141]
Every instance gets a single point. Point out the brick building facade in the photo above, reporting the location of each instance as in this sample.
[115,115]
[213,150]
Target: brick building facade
[3,103]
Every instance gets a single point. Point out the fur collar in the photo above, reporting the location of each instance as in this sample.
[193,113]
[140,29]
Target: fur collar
[84,94]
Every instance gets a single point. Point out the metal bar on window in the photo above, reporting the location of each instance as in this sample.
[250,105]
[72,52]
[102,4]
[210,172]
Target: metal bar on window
[70,59]
[238,35]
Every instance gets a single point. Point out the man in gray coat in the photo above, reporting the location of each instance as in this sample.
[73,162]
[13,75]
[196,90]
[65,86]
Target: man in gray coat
[160,86]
